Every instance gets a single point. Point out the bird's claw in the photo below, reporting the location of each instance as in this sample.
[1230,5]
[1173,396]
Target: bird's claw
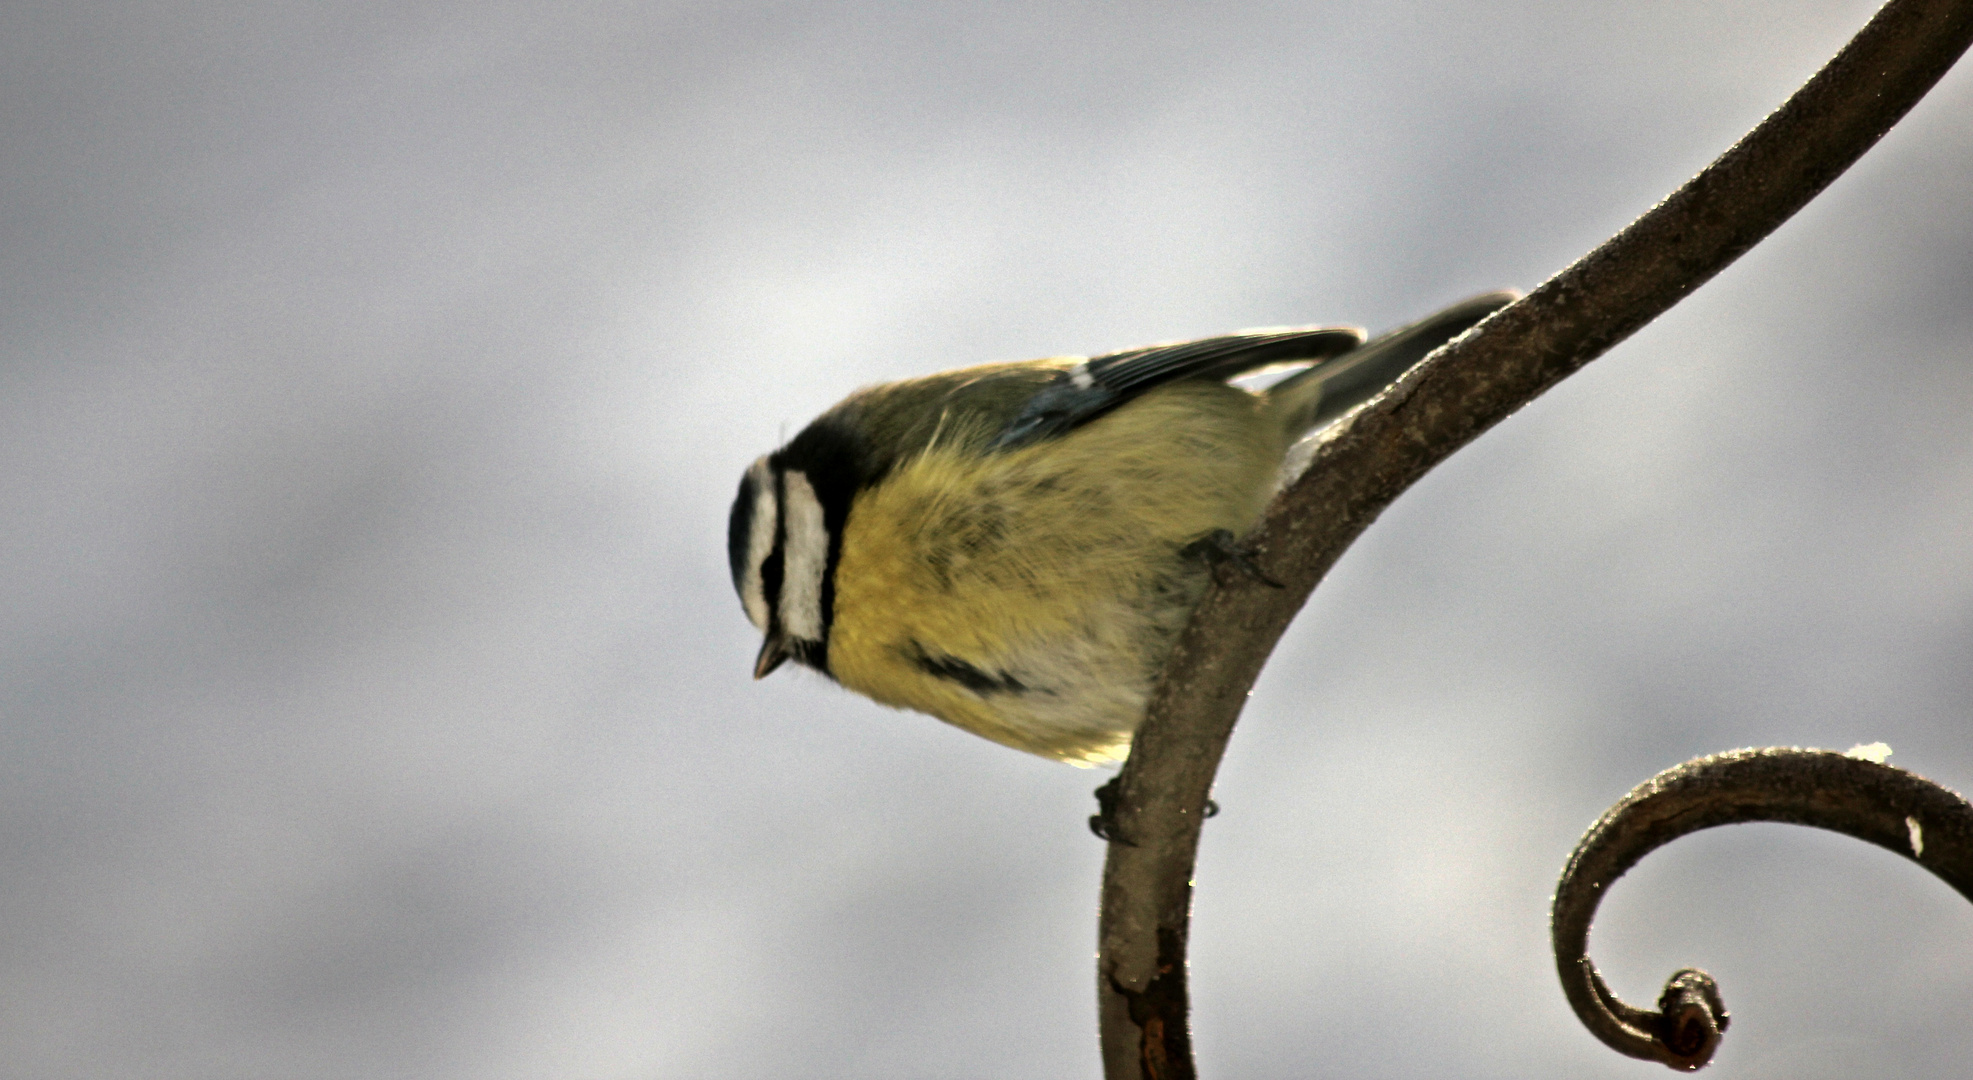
[1221,548]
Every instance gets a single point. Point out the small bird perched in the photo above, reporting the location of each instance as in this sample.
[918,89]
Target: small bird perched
[1014,548]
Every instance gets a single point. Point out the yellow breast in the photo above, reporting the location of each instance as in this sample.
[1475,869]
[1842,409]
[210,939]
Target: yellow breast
[1031,596]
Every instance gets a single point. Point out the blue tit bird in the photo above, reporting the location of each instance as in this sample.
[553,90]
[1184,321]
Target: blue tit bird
[1014,548]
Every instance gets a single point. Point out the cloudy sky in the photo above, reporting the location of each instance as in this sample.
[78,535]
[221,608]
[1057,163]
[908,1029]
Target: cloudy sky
[374,381]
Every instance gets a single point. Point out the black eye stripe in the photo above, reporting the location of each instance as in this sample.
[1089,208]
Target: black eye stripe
[770,582]
[740,528]
[770,567]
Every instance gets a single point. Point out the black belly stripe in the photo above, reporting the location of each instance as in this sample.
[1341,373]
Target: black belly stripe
[956,670]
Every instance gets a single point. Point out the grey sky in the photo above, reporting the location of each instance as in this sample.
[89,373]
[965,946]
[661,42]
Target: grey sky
[373,385]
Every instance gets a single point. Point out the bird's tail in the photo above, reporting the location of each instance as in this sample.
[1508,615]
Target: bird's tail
[1313,398]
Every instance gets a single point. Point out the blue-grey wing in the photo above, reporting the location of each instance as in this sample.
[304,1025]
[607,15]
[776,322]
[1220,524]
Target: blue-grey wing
[1101,383]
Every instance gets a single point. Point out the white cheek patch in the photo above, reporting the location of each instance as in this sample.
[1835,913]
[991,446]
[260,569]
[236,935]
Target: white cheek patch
[804,558]
[760,544]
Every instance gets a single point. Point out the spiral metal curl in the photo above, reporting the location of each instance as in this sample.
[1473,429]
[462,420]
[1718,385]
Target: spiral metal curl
[1855,796]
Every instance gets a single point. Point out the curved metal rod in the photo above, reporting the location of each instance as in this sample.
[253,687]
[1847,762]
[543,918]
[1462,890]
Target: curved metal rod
[1855,796]
[1444,403]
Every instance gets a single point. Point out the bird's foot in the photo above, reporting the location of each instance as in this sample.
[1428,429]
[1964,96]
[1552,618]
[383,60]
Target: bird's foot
[1104,823]
[1221,548]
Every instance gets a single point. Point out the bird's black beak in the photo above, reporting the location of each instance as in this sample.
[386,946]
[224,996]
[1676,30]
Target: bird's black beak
[773,653]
